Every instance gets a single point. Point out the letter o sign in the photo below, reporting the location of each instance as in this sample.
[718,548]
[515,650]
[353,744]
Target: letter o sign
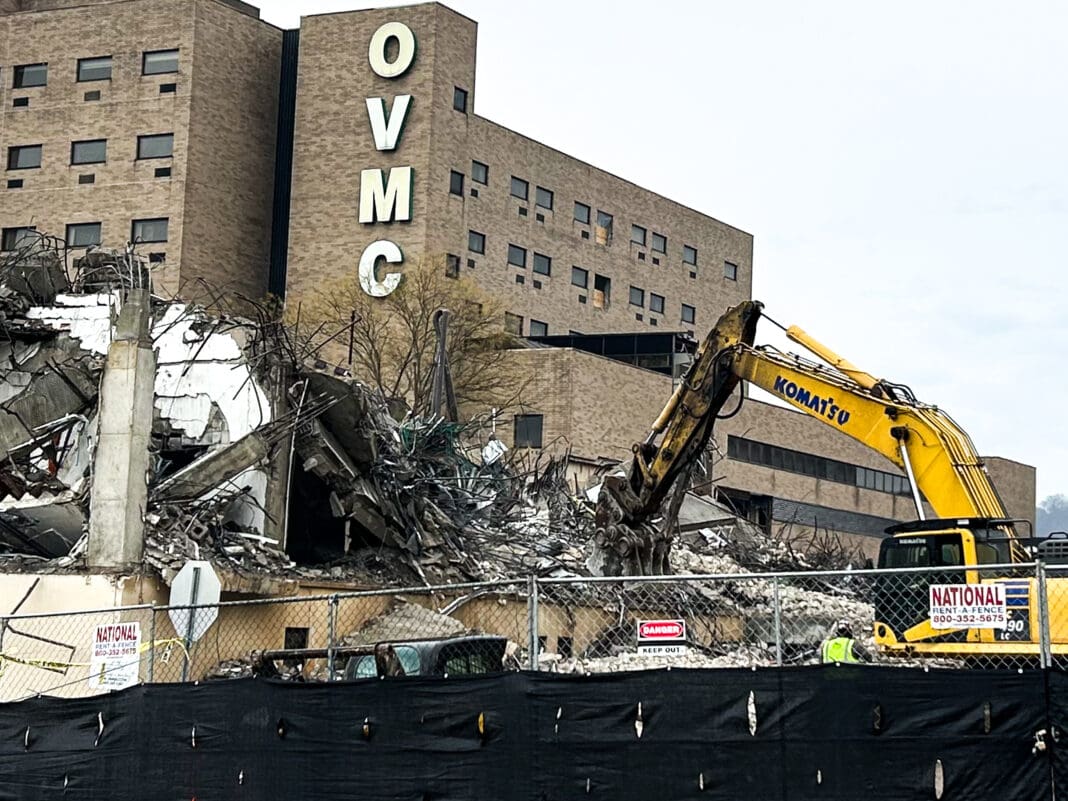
[376,53]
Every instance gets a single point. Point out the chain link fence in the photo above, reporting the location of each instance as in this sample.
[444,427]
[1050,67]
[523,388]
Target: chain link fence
[1012,616]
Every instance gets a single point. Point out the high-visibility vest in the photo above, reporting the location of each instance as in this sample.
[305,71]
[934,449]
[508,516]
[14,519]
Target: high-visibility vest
[838,649]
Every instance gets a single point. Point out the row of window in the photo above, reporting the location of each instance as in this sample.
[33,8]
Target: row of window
[583,213]
[91,151]
[807,464]
[96,68]
[82,235]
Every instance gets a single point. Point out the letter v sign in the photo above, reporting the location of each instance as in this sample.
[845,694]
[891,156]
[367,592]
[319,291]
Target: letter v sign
[387,132]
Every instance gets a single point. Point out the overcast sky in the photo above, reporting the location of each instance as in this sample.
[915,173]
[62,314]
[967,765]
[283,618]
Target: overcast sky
[901,167]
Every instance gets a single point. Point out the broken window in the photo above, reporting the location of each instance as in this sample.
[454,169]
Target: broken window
[539,329]
[17,238]
[24,157]
[456,183]
[155,146]
[659,243]
[689,313]
[543,265]
[92,151]
[517,256]
[153,230]
[602,291]
[527,432]
[637,296]
[513,324]
[476,242]
[564,647]
[689,255]
[459,99]
[603,230]
[580,277]
[543,197]
[94,69]
[637,235]
[582,213]
[656,303]
[452,266]
[520,188]
[479,172]
[29,75]
[159,62]
[730,271]
[83,235]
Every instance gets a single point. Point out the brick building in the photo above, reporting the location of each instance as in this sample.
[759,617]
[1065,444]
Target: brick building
[263,159]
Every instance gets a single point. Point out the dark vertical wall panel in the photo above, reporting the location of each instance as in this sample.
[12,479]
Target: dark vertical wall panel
[283,163]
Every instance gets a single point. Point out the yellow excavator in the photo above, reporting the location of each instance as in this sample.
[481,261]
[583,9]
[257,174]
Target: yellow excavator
[937,456]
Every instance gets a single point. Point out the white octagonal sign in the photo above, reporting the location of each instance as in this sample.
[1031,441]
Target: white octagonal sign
[195,584]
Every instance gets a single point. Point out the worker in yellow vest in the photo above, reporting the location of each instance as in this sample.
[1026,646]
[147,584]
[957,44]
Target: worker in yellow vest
[842,647]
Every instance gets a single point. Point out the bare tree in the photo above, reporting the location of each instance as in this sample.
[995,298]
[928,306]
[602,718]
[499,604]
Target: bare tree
[390,342]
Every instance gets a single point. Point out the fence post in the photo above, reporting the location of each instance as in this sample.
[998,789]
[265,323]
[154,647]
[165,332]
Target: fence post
[1045,655]
[778,622]
[532,620]
[152,644]
[331,635]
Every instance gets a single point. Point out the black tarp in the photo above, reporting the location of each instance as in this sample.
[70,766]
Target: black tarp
[853,733]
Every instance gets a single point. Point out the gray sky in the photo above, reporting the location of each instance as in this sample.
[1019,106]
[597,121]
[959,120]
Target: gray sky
[901,168]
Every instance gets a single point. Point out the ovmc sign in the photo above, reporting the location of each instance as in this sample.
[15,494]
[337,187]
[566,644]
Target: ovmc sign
[386,195]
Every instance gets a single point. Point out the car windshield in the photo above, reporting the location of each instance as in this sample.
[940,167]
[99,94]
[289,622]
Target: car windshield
[409,659]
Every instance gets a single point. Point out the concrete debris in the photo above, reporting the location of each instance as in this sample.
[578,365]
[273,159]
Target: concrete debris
[282,471]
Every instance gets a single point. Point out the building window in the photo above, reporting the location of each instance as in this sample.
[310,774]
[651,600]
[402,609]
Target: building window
[602,291]
[82,235]
[24,157]
[730,271]
[659,243]
[155,146]
[539,329]
[154,230]
[517,256]
[513,324]
[452,266]
[637,296]
[580,277]
[656,303]
[29,75]
[543,197]
[689,313]
[92,151]
[17,238]
[479,172]
[520,188]
[94,69]
[637,235]
[476,242]
[456,183]
[603,231]
[159,62]
[459,99]
[543,265]
[689,255]
[527,433]
[582,213]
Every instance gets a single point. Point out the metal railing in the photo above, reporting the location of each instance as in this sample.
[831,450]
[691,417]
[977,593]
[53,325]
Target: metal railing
[576,624]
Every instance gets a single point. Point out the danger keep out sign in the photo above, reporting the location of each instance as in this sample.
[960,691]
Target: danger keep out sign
[116,656]
[968,606]
[661,637]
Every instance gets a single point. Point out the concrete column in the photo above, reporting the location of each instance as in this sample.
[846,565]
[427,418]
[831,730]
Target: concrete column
[121,463]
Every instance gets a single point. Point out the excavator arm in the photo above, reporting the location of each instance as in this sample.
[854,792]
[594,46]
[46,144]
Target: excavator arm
[934,452]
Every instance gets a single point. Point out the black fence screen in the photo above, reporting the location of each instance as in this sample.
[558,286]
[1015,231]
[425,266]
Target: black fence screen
[829,733]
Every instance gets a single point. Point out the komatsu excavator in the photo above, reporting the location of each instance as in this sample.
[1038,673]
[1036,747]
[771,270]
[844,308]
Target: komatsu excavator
[937,456]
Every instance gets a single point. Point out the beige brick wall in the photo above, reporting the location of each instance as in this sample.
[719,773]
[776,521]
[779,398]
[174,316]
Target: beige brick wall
[1015,483]
[333,143]
[125,189]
